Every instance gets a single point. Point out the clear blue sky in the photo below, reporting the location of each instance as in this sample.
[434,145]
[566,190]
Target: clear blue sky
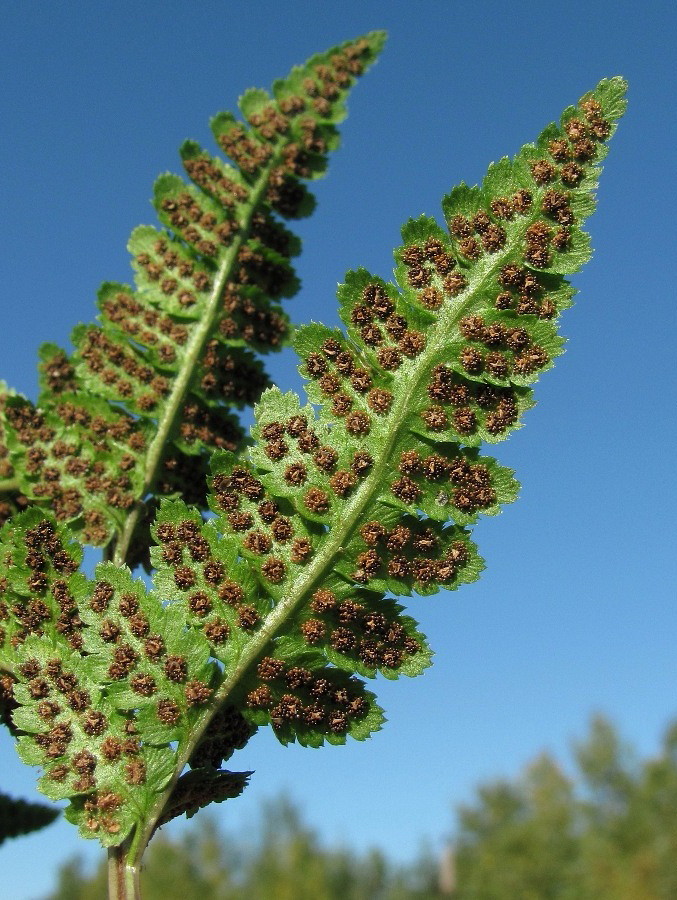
[576,612]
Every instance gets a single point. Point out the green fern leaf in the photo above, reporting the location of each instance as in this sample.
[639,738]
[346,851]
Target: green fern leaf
[11,498]
[155,386]
[108,676]
[73,680]
[275,610]
[370,488]
[199,788]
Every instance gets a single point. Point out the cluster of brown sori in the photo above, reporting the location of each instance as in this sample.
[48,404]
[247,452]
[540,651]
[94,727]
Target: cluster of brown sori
[295,115]
[78,457]
[382,325]
[311,466]
[231,374]
[67,709]
[213,599]
[457,403]
[472,403]
[548,206]
[184,281]
[57,372]
[356,630]
[509,350]
[344,381]
[197,227]
[15,501]
[79,750]
[470,484]
[290,697]
[122,372]
[145,325]
[324,700]
[78,747]
[225,373]
[145,660]
[498,349]
[47,596]
[431,271]
[314,478]
[273,543]
[180,277]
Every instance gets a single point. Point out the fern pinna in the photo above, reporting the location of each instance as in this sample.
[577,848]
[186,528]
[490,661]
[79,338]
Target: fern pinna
[152,389]
[276,608]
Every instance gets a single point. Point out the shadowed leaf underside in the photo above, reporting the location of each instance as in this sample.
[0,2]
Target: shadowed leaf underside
[19,817]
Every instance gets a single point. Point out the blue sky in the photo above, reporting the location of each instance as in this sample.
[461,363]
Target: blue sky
[576,612]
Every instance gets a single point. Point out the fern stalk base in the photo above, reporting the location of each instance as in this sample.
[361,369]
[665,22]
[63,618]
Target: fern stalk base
[123,878]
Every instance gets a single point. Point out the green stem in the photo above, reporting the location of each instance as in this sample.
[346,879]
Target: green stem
[194,350]
[9,485]
[123,875]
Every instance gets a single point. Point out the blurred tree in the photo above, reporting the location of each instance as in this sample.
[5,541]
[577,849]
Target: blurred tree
[611,832]
[519,840]
[282,860]
[608,832]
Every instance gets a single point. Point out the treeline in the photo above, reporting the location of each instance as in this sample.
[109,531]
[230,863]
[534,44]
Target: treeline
[284,860]
[609,832]
[606,832]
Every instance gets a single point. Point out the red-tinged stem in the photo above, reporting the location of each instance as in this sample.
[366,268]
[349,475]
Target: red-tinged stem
[123,876]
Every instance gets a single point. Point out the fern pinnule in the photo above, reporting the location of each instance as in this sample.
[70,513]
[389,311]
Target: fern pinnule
[19,817]
[11,498]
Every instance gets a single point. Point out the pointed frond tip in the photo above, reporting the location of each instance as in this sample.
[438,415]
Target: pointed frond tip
[156,384]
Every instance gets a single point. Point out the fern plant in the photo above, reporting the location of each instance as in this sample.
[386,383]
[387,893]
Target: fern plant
[277,606]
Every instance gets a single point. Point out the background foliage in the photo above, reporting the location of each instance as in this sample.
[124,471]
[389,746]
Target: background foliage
[605,829]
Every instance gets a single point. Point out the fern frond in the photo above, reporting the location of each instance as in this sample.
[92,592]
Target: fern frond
[275,610]
[108,676]
[105,679]
[155,386]
[371,487]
